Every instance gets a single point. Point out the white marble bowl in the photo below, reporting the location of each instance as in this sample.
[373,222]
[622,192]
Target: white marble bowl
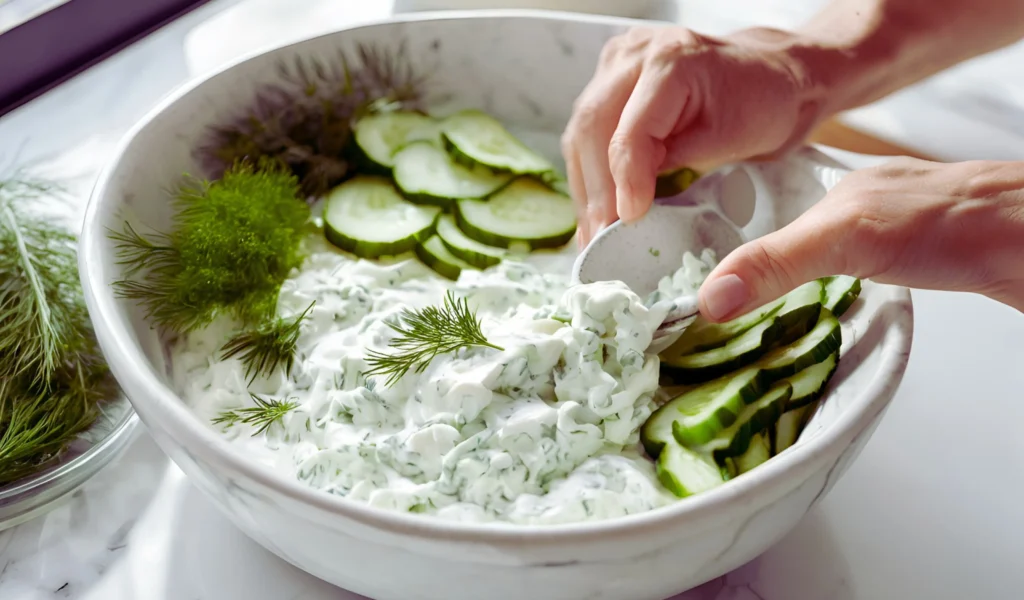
[527,68]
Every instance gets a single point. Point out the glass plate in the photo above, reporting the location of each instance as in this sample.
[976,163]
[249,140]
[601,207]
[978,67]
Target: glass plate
[32,496]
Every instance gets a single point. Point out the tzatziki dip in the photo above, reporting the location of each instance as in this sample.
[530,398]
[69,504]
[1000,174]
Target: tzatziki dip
[544,430]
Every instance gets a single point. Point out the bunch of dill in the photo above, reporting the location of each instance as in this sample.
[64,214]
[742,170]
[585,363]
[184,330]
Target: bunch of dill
[53,378]
[304,122]
[233,243]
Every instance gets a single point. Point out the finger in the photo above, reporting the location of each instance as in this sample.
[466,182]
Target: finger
[595,122]
[578,193]
[658,107]
[771,266]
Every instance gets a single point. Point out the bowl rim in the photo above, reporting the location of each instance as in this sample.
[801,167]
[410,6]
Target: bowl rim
[141,384]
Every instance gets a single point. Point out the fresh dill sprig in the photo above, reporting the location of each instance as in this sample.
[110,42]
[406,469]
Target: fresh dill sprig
[304,121]
[268,346]
[232,244]
[426,333]
[262,416]
[52,374]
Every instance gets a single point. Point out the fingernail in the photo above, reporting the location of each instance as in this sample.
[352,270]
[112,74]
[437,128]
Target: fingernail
[725,295]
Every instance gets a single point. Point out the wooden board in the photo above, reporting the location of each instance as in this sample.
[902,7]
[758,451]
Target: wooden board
[835,134]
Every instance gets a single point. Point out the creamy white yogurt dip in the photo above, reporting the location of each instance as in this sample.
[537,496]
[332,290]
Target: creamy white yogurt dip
[543,431]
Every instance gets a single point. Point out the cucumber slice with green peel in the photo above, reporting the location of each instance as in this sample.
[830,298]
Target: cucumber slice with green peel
[823,340]
[788,429]
[698,415]
[674,182]
[685,473]
[757,418]
[809,384]
[841,291]
[808,388]
[795,318]
[471,251]
[380,135]
[756,455]
[368,217]
[426,174]
[474,137]
[435,255]
[704,335]
[525,211]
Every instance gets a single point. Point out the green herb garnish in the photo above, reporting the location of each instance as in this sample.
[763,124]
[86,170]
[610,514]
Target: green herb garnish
[304,122]
[233,243]
[267,347]
[261,416]
[426,333]
[52,374]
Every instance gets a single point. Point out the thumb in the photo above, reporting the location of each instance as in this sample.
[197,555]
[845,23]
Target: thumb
[769,267]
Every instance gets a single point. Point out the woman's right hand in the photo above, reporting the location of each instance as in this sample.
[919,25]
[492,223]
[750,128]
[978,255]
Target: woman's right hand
[916,223]
[666,97]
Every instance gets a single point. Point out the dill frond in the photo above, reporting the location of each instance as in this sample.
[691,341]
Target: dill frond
[268,346]
[424,334]
[232,244]
[304,122]
[52,374]
[261,416]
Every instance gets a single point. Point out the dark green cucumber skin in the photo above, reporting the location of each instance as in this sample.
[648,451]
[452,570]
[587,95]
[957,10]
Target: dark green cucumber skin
[680,485]
[676,182]
[464,159]
[783,329]
[500,241]
[380,249]
[724,416]
[799,402]
[778,368]
[477,259]
[703,335]
[440,267]
[758,452]
[843,304]
[760,417]
[361,162]
[426,199]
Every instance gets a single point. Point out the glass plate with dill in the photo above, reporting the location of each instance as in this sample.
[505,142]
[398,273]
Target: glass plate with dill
[61,416]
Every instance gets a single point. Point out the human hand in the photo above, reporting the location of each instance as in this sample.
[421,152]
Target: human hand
[908,222]
[666,97]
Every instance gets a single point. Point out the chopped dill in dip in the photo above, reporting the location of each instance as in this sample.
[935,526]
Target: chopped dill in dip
[543,431]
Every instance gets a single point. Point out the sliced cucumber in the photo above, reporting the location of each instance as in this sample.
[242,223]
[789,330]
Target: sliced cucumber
[685,473]
[473,252]
[797,316]
[756,455]
[823,340]
[369,218]
[809,384]
[704,335]
[696,416]
[841,291]
[759,417]
[426,174]
[380,135]
[788,428]
[435,255]
[474,137]
[525,211]
[674,182]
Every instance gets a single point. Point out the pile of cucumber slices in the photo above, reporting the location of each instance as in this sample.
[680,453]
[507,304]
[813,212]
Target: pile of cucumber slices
[460,192]
[747,387]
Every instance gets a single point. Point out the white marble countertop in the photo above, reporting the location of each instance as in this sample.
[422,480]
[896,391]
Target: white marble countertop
[931,510]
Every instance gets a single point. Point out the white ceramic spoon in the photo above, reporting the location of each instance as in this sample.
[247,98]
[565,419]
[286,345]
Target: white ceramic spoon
[641,253]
